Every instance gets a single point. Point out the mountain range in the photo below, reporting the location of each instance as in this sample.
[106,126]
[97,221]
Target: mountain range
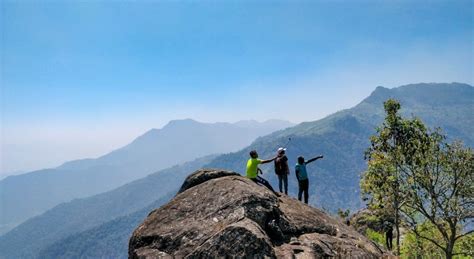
[33,193]
[344,136]
[29,238]
[334,181]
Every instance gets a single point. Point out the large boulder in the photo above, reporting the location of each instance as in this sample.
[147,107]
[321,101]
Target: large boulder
[203,175]
[229,215]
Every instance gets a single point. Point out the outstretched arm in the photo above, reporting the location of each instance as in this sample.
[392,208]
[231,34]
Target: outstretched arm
[314,159]
[268,161]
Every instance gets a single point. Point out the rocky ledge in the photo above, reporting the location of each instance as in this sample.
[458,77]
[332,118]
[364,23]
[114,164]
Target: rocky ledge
[220,214]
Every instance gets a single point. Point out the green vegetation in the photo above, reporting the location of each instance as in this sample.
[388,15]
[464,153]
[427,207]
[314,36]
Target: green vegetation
[382,184]
[424,181]
[416,247]
[334,181]
[375,236]
[413,246]
[343,214]
[343,138]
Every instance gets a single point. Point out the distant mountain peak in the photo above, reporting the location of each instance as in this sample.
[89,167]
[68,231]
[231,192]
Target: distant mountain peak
[428,92]
[380,88]
[341,137]
[246,121]
[378,94]
[187,121]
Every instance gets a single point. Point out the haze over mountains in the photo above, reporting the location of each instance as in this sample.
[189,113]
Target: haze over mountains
[30,194]
[344,136]
[341,137]
[28,239]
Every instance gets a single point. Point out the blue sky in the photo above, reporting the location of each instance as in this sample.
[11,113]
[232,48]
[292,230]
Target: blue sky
[79,79]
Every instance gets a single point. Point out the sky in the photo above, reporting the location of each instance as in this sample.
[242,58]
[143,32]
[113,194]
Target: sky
[81,78]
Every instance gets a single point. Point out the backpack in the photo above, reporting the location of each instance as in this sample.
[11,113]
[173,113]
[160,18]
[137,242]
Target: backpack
[280,166]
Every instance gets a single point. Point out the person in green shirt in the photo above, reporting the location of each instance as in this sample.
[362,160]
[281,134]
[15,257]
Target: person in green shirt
[253,170]
[302,176]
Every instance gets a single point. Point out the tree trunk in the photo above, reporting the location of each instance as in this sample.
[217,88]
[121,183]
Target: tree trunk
[418,248]
[397,227]
[449,253]
[449,249]
[397,216]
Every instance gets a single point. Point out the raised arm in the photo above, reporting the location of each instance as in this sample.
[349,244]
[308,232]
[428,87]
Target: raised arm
[268,161]
[313,159]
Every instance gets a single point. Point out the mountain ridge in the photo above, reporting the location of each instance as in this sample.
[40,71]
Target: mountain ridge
[352,128]
[35,192]
[342,137]
[332,136]
[78,215]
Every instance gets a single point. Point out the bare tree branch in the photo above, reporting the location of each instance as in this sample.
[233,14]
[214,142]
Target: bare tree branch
[464,234]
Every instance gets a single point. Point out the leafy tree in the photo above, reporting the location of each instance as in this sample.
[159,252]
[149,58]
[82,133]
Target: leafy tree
[441,177]
[418,177]
[382,184]
[343,214]
[415,247]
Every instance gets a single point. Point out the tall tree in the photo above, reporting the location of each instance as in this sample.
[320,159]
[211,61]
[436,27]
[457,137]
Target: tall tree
[382,184]
[419,177]
[441,177]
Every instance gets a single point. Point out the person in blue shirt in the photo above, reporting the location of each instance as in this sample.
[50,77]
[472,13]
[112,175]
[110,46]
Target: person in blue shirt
[302,176]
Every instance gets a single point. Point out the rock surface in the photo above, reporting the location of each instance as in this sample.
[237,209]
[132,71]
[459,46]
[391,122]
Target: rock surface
[201,176]
[219,213]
